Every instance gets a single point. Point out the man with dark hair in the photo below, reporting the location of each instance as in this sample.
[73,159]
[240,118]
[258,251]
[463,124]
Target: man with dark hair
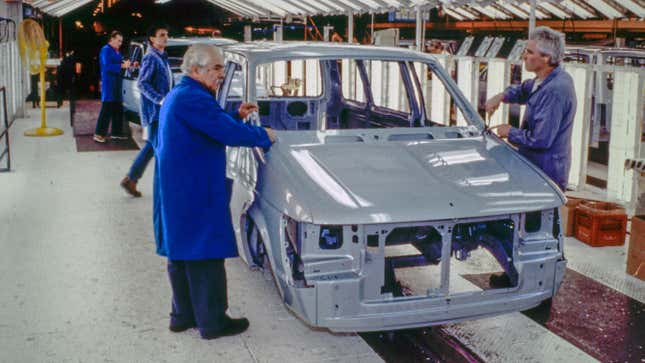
[154,82]
[111,62]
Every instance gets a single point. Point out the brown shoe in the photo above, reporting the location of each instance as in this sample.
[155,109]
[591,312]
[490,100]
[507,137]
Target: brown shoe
[130,186]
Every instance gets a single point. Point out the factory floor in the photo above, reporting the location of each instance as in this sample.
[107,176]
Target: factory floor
[80,280]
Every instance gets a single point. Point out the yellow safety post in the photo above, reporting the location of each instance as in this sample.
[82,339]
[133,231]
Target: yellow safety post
[33,46]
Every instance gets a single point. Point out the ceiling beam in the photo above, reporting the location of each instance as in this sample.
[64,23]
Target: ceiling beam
[569,26]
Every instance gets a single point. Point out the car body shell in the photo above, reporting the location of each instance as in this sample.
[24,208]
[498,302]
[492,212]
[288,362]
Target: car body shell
[369,183]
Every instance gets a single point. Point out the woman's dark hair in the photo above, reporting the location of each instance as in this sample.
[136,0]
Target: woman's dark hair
[115,33]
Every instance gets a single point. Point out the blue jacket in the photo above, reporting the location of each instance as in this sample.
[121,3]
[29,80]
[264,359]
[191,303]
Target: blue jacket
[195,219]
[545,134]
[154,82]
[111,81]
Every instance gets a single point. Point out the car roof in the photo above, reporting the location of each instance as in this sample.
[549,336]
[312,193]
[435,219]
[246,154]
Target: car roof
[585,49]
[625,52]
[202,40]
[263,51]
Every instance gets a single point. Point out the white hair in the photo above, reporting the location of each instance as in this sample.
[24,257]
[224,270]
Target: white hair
[549,42]
[199,55]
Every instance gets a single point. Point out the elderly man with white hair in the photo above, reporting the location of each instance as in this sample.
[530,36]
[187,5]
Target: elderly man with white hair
[192,219]
[544,136]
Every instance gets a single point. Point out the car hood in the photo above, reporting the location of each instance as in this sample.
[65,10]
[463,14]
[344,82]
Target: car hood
[358,182]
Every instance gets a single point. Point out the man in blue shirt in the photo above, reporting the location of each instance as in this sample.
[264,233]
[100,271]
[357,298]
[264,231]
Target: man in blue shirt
[111,62]
[193,226]
[544,137]
[154,82]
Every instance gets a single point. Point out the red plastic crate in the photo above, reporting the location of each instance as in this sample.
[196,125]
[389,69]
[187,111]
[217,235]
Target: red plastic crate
[600,224]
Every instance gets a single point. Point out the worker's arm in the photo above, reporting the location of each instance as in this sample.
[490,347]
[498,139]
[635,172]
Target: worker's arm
[145,80]
[207,117]
[547,116]
[110,61]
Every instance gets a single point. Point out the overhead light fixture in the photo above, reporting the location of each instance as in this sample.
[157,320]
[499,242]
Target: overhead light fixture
[453,14]
[516,11]
[538,13]
[161,1]
[577,9]
[490,11]
[465,13]
[633,7]
[555,10]
[605,9]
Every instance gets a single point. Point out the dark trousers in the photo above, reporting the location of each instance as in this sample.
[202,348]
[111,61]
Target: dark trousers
[198,293]
[145,154]
[110,111]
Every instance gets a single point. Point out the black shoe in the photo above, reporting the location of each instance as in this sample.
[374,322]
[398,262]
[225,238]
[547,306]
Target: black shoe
[120,137]
[180,328]
[233,327]
[499,281]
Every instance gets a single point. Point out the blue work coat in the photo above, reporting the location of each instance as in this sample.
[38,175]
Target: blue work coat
[111,81]
[194,193]
[545,134]
[154,82]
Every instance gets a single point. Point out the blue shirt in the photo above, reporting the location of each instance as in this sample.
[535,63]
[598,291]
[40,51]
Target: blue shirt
[545,133]
[154,82]
[111,81]
[194,193]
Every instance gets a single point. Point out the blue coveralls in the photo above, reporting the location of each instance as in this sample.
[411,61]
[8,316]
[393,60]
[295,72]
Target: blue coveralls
[154,82]
[545,133]
[193,227]
[111,86]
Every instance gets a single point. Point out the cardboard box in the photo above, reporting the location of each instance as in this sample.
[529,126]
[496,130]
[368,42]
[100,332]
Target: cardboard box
[567,212]
[636,250]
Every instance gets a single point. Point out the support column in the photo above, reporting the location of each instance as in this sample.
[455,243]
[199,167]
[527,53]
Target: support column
[499,74]
[17,79]
[327,29]
[372,30]
[277,33]
[532,16]
[626,131]
[582,79]
[419,30]
[468,82]
[440,98]
[247,33]
[350,27]
[60,38]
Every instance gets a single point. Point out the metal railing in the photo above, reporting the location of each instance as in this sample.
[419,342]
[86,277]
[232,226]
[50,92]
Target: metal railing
[5,133]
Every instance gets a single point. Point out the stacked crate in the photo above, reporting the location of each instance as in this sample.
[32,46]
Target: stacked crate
[600,223]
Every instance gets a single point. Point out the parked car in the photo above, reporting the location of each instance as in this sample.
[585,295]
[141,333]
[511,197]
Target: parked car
[368,214]
[175,48]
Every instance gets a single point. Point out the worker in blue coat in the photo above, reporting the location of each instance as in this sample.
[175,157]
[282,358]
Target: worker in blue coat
[111,62]
[544,137]
[193,226]
[154,82]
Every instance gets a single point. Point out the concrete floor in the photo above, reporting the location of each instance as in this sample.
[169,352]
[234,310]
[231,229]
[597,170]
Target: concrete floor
[80,280]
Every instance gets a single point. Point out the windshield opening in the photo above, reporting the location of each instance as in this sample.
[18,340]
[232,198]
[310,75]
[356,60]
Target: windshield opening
[348,93]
